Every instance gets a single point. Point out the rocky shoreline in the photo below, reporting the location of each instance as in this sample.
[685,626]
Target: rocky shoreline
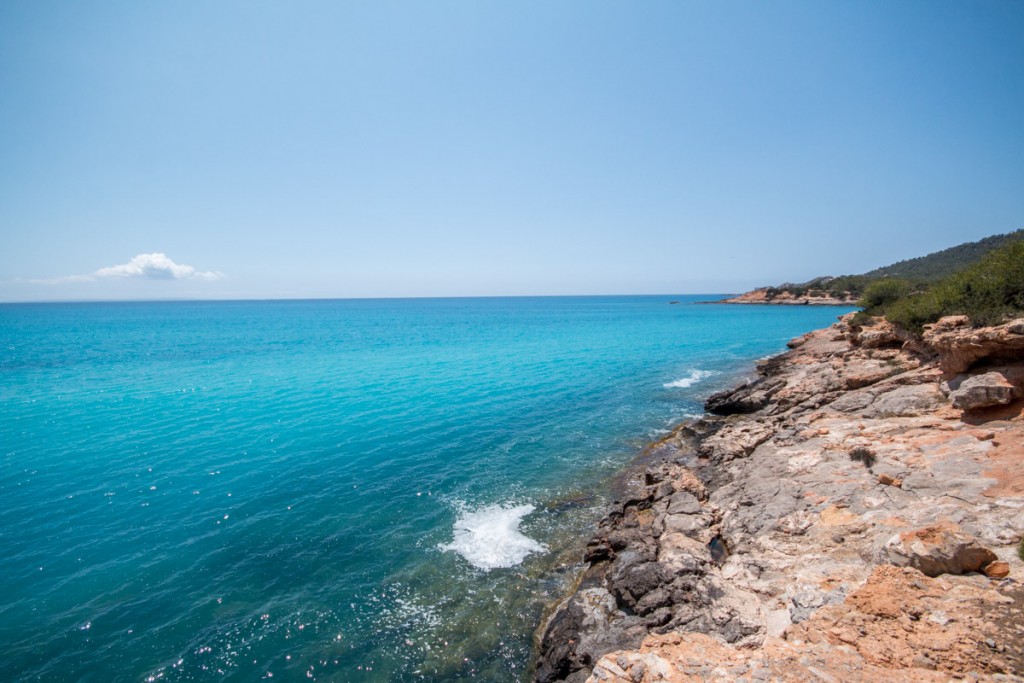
[852,514]
[776,297]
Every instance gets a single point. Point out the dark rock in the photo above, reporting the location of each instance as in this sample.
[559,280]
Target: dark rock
[744,400]
[581,630]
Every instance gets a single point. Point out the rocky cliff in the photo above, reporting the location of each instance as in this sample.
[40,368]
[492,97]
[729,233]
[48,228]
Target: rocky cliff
[852,514]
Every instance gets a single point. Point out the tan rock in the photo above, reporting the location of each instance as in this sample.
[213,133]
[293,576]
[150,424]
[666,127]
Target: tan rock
[997,570]
[959,346]
[888,480]
[937,549]
[833,516]
[880,334]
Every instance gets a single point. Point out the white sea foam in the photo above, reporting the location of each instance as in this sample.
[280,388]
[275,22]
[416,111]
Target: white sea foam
[691,379]
[489,537]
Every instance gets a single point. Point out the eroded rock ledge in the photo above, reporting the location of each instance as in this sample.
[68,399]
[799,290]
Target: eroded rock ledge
[851,515]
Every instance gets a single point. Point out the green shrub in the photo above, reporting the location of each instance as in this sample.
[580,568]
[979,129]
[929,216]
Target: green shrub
[988,292]
[862,319]
[916,311]
[882,292]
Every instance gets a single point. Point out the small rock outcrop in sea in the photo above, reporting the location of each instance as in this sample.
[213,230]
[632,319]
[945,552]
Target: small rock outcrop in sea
[853,514]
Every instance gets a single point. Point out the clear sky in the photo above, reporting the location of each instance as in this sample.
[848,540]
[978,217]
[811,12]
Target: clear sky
[348,149]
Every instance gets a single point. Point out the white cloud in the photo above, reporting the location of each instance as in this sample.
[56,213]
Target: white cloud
[154,266]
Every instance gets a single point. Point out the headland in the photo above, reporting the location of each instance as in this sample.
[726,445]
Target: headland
[771,295]
[853,513]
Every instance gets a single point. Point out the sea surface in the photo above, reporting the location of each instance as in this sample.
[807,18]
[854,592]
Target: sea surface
[350,490]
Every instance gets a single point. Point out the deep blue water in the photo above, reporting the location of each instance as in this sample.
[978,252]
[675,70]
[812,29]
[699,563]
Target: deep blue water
[361,490]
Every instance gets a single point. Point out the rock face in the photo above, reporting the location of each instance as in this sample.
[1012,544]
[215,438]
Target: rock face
[838,519]
[960,347]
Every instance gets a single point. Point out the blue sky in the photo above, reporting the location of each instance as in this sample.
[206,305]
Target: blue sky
[349,149]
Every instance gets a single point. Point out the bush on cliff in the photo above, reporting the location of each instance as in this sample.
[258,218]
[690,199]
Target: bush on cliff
[882,292]
[988,292]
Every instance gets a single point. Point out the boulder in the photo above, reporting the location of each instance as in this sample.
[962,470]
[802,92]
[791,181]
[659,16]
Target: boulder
[736,440]
[983,391]
[997,570]
[881,334]
[744,400]
[937,549]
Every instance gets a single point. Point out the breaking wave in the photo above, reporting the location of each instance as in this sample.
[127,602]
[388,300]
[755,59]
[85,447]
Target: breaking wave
[691,379]
[489,537]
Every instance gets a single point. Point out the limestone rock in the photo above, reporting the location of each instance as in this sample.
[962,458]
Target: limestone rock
[983,391]
[906,401]
[771,295]
[585,627]
[735,440]
[960,347]
[889,480]
[880,334]
[937,550]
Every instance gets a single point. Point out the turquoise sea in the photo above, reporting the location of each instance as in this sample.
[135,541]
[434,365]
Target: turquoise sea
[355,490]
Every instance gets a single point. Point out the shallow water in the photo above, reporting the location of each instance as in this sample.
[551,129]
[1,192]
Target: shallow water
[329,490]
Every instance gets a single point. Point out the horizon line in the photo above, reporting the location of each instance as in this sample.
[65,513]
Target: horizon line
[353,298]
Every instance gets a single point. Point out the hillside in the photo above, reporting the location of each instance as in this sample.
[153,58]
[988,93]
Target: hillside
[847,289]
[946,262]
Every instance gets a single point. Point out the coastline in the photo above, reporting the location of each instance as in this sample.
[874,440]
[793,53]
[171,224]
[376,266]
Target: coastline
[767,537]
[770,297]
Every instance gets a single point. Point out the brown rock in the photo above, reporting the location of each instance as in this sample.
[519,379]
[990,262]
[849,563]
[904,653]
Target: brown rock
[937,549]
[997,570]
[888,480]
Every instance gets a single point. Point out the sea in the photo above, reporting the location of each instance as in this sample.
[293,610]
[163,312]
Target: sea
[328,490]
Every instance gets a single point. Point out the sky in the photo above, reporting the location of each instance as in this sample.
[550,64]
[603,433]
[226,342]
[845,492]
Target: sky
[375,149]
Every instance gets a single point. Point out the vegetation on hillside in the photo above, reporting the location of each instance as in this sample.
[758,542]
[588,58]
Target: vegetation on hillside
[989,292]
[942,264]
[844,285]
[917,274]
